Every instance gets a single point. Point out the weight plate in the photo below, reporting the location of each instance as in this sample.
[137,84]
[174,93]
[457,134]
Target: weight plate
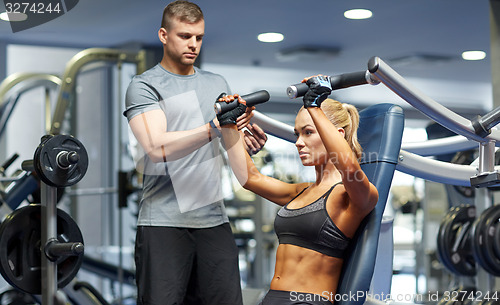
[453,240]
[20,243]
[46,163]
[485,239]
[440,243]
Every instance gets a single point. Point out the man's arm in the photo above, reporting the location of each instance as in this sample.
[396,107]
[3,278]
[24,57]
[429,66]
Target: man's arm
[150,127]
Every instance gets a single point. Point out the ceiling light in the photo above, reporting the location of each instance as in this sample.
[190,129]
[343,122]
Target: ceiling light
[473,55]
[13,16]
[270,37]
[358,13]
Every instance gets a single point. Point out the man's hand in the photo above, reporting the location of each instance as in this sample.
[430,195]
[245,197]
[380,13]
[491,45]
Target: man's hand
[231,116]
[254,139]
[243,120]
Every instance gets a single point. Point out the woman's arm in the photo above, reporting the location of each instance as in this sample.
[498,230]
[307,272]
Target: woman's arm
[247,173]
[363,194]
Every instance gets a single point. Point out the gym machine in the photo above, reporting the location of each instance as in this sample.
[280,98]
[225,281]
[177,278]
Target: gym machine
[16,84]
[484,240]
[41,246]
[64,252]
[66,92]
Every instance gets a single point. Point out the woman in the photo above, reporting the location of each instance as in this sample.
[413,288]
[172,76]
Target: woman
[318,219]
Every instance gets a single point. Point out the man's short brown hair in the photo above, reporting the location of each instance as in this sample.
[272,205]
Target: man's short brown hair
[182,10]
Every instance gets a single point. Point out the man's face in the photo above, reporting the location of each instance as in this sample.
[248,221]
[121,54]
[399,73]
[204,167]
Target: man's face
[183,41]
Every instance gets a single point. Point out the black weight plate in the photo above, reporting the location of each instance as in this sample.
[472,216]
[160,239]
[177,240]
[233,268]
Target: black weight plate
[443,239]
[484,240]
[441,251]
[46,165]
[20,256]
[454,241]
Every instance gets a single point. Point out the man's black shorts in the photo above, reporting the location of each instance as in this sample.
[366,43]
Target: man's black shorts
[187,266]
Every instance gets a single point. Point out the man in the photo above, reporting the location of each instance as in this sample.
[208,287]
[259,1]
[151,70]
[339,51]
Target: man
[185,251]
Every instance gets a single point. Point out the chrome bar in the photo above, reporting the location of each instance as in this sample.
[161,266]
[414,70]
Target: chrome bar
[432,109]
[73,67]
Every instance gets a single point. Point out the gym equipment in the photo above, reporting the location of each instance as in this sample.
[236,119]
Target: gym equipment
[15,85]
[417,165]
[486,240]
[67,90]
[60,160]
[252,99]
[67,94]
[338,82]
[8,163]
[380,133]
[412,160]
[20,253]
[17,188]
[463,239]
[21,186]
[454,246]
[54,241]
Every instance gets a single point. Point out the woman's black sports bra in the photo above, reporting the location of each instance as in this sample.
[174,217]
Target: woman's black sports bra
[311,227]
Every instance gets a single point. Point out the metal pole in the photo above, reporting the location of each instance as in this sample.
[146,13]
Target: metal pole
[483,200]
[495,55]
[49,231]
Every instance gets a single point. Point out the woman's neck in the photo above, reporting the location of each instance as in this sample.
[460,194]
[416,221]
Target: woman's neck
[327,173]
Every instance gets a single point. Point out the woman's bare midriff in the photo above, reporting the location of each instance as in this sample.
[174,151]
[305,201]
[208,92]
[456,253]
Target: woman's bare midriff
[303,270]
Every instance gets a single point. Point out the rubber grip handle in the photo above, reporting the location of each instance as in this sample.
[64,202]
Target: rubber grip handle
[338,82]
[252,99]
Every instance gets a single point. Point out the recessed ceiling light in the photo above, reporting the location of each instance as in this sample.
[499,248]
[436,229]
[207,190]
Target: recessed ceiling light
[358,13]
[473,55]
[13,16]
[270,37]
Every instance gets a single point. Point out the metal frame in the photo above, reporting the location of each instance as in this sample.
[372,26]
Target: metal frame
[75,65]
[16,84]
[413,160]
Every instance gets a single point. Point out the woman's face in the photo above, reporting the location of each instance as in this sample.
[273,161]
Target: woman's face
[309,145]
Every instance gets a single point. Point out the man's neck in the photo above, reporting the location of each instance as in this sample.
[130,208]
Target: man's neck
[176,68]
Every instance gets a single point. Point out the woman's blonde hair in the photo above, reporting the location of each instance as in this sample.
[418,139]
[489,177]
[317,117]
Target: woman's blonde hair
[344,116]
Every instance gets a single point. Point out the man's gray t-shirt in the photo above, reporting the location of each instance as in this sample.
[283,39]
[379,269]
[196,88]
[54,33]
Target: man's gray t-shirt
[185,192]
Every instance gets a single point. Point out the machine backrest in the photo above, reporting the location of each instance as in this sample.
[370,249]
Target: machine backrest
[380,133]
